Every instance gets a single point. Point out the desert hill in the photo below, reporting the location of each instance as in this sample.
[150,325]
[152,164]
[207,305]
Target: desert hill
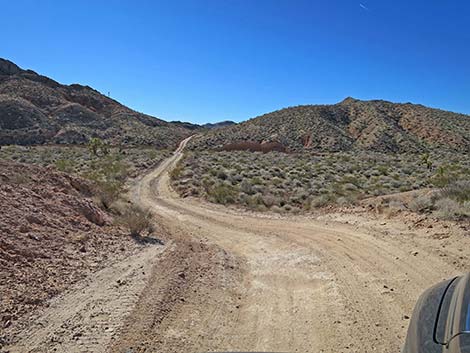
[35,109]
[351,124]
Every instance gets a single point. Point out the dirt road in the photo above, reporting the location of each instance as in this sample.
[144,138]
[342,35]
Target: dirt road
[236,281]
[303,285]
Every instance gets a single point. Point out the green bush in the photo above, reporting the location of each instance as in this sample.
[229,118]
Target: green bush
[109,174]
[223,193]
[64,165]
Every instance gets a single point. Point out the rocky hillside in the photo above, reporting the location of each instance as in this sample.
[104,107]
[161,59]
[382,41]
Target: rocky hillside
[351,124]
[35,109]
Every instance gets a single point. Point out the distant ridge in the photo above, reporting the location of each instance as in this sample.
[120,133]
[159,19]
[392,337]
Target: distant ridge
[209,126]
[35,109]
[375,125]
[218,125]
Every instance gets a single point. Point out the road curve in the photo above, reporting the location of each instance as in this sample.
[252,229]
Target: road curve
[304,285]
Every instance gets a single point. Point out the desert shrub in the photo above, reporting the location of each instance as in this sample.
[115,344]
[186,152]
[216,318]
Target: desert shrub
[259,189]
[255,201]
[256,181]
[221,174]
[222,193]
[108,192]
[321,201]
[459,191]
[421,203]
[177,171]
[343,201]
[270,200]
[246,187]
[187,173]
[287,207]
[447,208]
[276,209]
[447,174]
[207,183]
[465,210]
[346,200]
[382,169]
[136,220]
[109,174]
[396,205]
[234,177]
[152,154]
[64,165]
[350,187]
[213,171]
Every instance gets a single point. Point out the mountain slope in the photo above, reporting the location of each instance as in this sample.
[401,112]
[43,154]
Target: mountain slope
[351,124]
[35,109]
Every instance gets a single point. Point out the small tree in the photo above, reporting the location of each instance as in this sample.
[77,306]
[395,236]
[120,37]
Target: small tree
[426,159]
[105,149]
[94,145]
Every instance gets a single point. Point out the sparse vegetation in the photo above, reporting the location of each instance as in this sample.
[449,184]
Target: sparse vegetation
[80,160]
[283,182]
[109,168]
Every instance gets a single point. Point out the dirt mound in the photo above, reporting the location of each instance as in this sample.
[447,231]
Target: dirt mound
[51,235]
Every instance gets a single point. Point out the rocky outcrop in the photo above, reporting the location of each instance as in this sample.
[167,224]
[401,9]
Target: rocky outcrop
[8,68]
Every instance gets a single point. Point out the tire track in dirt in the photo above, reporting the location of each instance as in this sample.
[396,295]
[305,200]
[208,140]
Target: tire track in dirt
[87,316]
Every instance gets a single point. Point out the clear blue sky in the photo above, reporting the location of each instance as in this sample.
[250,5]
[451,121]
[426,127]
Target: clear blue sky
[210,60]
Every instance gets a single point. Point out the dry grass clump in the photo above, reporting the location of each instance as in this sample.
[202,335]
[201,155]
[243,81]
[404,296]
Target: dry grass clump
[422,203]
[136,220]
[283,182]
[454,200]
